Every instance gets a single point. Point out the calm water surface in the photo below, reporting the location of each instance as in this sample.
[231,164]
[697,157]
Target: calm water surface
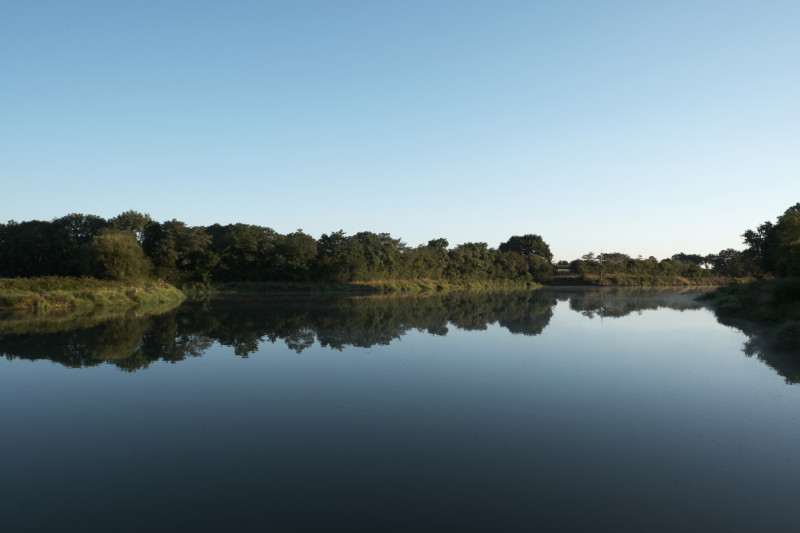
[550,410]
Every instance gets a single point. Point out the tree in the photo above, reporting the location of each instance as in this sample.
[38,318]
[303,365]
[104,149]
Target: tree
[471,260]
[730,262]
[774,247]
[528,245]
[380,255]
[180,253]
[134,222]
[295,256]
[786,250]
[69,239]
[117,255]
[339,258]
[246,252]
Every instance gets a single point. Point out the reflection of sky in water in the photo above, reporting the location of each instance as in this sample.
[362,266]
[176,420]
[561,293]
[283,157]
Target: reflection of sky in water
[652,421]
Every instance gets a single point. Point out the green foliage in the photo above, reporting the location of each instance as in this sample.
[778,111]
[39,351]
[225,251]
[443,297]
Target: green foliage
[775,248]
[295,255]
[469,261]
[528,245]
[134,222]
[339,258]
[769,311]
[180,253]
[245,252]
[116,255]
[55,292]
[787,243]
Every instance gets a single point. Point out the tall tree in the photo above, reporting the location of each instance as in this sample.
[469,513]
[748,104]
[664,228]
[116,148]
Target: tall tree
[295,256]
[528,245]
[117,255]
[787,243]
[246,252]
[134,222]
[180,253]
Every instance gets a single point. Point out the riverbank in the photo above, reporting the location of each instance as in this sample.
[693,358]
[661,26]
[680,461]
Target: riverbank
[66,293]
[774,305]
[633,280]
[361,287]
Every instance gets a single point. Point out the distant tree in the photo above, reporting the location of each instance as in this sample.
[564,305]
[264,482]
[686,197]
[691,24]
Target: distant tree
[528,245]
[772,247]
[337,257]
[471,260]
[426,261]
[730,262]
[295,256]
[245,252]
[380,253]
[69,238]
[786,250]
[689,258]
[117,255]
[134,222]
[26,249]
[438,244]
[180,253]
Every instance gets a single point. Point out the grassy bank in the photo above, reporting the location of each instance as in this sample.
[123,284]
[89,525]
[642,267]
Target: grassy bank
[428,285]
[632,280]
[774,304]
[24,322]
[363,287]
[63,293]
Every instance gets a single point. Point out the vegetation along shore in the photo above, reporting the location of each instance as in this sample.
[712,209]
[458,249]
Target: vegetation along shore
[85,260]
[54,293]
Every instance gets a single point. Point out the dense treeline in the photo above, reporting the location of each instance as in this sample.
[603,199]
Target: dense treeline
[132,246]
[773,302]
[772,250]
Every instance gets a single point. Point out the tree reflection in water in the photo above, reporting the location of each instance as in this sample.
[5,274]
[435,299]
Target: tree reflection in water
[132,341]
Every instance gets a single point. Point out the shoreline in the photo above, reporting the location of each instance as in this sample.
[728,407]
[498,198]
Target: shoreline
[54,293]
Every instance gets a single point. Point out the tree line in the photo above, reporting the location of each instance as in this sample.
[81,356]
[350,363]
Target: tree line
[772,249]
[134,246]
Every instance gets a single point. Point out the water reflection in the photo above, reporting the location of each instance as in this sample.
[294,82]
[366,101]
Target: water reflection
[616,303]
[132,341]
[769,343]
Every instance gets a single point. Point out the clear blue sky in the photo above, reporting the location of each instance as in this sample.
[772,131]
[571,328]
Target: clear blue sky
[640,127]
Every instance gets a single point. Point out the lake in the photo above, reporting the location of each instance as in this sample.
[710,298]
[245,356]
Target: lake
[571,410]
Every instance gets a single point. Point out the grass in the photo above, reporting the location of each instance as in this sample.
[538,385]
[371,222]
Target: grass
[67,293]
[644,280]
[362,287]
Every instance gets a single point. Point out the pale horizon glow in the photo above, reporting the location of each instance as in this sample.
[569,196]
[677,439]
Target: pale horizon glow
[641,128]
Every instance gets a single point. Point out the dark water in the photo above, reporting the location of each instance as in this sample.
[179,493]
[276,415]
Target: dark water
[561,410]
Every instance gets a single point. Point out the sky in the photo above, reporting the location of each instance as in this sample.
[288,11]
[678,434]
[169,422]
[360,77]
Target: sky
[647,128]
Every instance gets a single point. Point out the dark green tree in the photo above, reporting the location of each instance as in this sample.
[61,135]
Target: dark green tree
[69,240]
[786,252]
[528,245]
[246,252]
[471,260]
[339,257]
[134,222]
[117,255]
[295,256]
[180,253]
